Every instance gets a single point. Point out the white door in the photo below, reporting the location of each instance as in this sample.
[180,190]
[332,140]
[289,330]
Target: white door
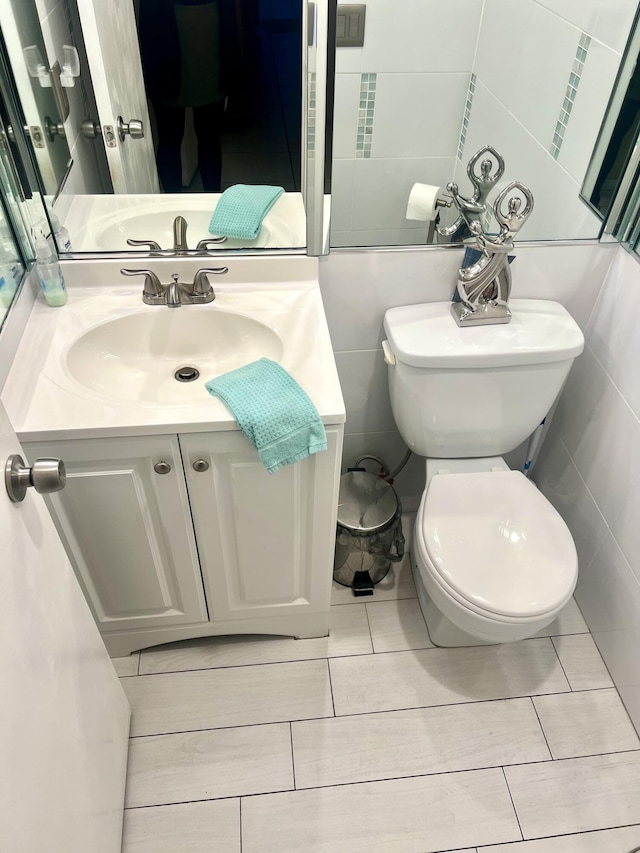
[64,719]
[111,41]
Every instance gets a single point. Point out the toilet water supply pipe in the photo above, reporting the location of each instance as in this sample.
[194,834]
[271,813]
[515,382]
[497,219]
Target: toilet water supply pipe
[532,449]
[384,474]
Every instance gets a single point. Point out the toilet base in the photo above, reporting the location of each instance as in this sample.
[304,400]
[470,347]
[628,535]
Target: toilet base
[442,631]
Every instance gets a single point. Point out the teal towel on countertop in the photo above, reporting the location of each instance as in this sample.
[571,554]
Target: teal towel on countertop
[273,411]
[241,209]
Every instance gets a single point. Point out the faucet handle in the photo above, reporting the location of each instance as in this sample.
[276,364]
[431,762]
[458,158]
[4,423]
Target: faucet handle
[203,245]
[201,283]
[151,244]
[152,286]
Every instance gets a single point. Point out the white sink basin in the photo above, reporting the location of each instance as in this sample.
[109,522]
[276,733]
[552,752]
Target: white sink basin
[135,357]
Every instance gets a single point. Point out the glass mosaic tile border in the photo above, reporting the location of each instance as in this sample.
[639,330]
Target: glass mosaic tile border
[366,110]
[467,115]
[570,94]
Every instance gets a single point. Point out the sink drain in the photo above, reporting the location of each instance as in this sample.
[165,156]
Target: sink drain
[186,374]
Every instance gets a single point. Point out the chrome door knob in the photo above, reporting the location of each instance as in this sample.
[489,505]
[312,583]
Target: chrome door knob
[90,129]
[133,128]
[200,465]
[162,467]
[46,476]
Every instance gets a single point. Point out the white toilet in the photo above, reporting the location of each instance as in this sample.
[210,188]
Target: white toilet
[493,561]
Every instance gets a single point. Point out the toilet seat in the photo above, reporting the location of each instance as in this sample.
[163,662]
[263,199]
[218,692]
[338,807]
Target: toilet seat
[495,545]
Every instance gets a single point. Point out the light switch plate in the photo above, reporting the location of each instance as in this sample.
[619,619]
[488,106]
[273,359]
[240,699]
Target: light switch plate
[350,24]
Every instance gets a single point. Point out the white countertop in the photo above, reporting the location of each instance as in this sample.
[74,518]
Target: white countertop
[45,402]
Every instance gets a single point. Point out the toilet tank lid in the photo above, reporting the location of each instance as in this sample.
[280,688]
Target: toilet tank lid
[426,335]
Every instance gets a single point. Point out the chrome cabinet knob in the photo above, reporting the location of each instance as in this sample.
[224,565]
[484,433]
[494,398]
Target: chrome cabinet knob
[133,128]
[46,475]
[200,465]
[162,468]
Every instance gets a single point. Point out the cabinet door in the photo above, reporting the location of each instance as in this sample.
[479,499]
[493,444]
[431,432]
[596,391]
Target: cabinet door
[266,541]
[128,530]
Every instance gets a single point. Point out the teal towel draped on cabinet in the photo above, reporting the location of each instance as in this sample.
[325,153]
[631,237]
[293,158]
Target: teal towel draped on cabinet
[273,411]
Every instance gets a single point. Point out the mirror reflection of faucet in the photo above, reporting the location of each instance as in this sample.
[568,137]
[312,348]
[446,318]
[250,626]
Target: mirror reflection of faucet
[177,293]
[180,245]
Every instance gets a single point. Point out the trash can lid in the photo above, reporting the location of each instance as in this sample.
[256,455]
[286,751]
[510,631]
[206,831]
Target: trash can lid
[366,502]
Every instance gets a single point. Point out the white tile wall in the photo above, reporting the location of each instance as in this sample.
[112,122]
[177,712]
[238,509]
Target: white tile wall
[418,115]
[608,22]
[525,76]
[389,45]
[590,469]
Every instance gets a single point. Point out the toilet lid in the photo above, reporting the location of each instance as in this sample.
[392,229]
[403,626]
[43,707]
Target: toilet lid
[497,542]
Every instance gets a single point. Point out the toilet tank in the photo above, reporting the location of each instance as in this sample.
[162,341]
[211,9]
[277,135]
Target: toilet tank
[481,390]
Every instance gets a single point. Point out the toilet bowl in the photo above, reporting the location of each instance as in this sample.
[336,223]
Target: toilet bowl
[493,561]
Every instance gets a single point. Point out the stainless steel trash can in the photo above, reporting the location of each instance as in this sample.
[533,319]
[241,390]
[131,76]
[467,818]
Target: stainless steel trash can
[369,535]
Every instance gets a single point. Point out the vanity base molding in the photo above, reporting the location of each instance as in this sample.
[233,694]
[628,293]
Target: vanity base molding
[174,537]
[301,626]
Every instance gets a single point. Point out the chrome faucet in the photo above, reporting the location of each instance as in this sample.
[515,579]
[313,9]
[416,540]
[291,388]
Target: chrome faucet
[180,234]
[177,293]
[484,287]
[180,245]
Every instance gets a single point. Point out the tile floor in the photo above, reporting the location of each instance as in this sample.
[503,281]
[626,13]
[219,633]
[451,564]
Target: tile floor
[374,740]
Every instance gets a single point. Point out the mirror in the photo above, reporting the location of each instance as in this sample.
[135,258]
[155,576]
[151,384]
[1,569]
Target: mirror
[436,81]
[173,102]
[12,230]
[611,186]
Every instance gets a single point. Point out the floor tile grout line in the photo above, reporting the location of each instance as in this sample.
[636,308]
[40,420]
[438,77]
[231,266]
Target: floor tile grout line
[561,666]
[333,701]
[373,645]
[513,805]
[382,779]
[544,734]
[293,760]
[367,713]
[240,821]
[564,835]
[379,601]
[333,657]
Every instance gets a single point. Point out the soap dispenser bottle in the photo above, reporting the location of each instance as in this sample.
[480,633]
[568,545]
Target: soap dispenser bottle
[49,271]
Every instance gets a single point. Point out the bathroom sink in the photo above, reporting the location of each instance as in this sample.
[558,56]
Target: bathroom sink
[136,357]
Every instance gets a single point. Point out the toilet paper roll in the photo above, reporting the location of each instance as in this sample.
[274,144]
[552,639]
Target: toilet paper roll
[422,202]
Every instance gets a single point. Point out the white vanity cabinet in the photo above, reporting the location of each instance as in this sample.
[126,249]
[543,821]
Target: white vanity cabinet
[174,537]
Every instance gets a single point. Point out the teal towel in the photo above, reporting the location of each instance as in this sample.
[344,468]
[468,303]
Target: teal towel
[273,411]
[241,209]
